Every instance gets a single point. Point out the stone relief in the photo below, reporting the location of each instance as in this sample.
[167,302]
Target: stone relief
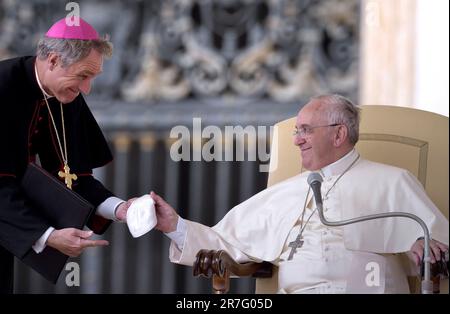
[172,50]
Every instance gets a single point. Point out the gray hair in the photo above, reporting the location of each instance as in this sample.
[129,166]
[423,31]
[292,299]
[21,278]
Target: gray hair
[72,50]
[341,110]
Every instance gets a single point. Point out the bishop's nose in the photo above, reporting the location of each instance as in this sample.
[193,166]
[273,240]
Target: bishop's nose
[85,86]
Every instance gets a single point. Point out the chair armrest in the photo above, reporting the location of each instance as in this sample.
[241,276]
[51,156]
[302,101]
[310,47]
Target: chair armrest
[439,272]
[220,265]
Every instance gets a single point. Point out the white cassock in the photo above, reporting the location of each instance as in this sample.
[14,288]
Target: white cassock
[357,258]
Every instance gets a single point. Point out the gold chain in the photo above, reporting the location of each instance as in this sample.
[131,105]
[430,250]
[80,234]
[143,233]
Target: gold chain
[63,153]
[68,177]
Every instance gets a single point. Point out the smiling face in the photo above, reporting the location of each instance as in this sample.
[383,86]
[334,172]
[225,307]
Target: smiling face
[65,83]
[320,146]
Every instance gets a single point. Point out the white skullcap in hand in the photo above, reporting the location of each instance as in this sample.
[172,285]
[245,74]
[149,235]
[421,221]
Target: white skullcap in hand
[141,216]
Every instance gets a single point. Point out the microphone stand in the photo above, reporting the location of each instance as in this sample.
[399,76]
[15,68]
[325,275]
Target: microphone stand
[427,284]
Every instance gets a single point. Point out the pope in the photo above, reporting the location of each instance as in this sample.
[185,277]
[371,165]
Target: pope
[281,225]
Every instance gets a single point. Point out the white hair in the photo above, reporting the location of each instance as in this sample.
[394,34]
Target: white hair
[72,50]
[341,110]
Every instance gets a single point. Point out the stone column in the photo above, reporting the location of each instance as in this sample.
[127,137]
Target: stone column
[387,52]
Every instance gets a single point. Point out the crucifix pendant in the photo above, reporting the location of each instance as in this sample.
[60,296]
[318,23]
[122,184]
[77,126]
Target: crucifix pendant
[298,243]
[68,177]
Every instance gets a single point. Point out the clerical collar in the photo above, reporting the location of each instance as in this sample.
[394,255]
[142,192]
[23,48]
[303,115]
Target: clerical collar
[340,165]
[40,85]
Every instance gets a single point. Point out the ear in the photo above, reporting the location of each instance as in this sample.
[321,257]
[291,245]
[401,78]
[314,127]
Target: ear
[52,61]
[340,136]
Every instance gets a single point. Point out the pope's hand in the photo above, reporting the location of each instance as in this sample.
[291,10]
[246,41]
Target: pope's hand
[167,216]
[416,251]
[72,242]
[121,212]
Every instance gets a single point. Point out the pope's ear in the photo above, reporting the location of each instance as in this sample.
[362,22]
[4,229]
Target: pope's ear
[341,135]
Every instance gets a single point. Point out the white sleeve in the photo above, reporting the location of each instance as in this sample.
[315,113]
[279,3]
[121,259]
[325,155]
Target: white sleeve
[107,209]
[40,245]
[178,236]
[200,237]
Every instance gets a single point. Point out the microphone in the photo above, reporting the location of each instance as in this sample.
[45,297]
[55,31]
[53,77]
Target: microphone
[315,181]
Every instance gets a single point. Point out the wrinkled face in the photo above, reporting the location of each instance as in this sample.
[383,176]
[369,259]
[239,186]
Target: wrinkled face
[314,137]
[65,83]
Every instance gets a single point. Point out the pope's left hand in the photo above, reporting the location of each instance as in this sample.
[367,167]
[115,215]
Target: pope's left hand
[416,251]
[121,212]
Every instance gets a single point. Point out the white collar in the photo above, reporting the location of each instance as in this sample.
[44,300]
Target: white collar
[340,165]
[39,83]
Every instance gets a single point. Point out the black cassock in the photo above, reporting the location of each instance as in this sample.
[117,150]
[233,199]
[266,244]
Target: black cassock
[26,130]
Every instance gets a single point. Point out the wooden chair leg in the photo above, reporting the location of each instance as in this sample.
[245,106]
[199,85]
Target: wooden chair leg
[221,284]
[436,284]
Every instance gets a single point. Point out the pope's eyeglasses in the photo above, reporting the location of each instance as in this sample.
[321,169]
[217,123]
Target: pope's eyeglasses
[307,129]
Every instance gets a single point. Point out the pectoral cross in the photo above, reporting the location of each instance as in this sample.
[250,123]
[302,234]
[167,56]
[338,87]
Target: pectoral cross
[68,177]
[298,243]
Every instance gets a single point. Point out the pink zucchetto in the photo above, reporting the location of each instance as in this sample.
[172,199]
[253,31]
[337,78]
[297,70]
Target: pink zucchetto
[63,30]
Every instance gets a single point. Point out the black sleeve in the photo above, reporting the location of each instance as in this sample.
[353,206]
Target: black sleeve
[20,225]
[94,192]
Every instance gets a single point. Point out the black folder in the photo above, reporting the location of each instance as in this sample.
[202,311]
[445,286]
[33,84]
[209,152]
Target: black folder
[62,207]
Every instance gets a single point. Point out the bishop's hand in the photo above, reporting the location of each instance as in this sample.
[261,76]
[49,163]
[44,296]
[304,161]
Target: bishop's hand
[72,242]
[121,212]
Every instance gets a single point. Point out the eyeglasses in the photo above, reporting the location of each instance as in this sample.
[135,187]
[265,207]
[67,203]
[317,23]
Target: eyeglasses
[307,130]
